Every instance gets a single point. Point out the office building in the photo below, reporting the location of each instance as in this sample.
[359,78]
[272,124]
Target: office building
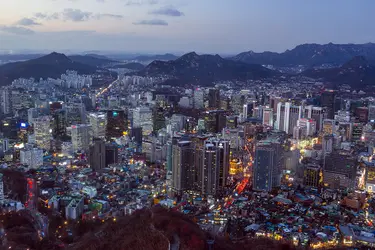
[312,176]
[267,165]
[327,99]
[31,157]
[287,116]
[371,112]
[117,123]
[111,154]
[142,118]
[308,125]
[97,154]
[198,100]
[214,98]
[43,132]
[362,114]
[98,122]
[340,170]
[81,137]
[215,121]
[183,170]
[215,166]
[316,113]
[158,119]
[268,117]
[75,113]
[59,123]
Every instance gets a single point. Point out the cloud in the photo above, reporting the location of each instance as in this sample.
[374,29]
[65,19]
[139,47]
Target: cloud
[27,22]
[167,11]
[17,30]
[46,16]
[76,15]
[141,2]
[114,16]
[155,22]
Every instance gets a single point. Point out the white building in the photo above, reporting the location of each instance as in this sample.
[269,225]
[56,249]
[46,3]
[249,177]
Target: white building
[43,132]
[198,98]
[287,116]
[309,125]
[142,118]
[98,122]
[32,157]
[81,136]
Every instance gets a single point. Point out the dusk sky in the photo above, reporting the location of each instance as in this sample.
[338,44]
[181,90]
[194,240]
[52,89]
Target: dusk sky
[205,26]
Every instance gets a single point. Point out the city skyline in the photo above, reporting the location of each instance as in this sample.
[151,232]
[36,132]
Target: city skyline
[159,26]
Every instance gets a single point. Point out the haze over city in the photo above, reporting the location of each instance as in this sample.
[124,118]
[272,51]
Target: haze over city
[210,26]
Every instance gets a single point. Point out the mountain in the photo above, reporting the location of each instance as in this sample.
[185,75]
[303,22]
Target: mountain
[310,55]
[52,65]
[92,60]
[357,72]
[131,66]
[206,69]
[7,58]
[148,58]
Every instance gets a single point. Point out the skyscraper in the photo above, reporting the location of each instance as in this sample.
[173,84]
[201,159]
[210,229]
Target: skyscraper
[158,119]
[182,166]
[97,154]
[142,118]
[117,123]
[198,100]
[81,136]
[98,122]
[214,98]
[268,117]
[267,166]
[43,132]
[215,165]
[327,99]
[287,116]
[59,123]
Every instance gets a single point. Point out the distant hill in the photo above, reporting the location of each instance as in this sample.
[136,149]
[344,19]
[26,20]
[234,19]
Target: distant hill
[52,65]
[310,55]
[357,72]
[206,69]
[7,58]
[92,60]
[131,66]
[147,58]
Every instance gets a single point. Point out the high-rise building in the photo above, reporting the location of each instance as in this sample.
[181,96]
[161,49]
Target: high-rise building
[158,119]
[267,165]
[316,113]
[111,154]
[268,117]
[371,112]
[287,116]
[215,121]
[81,136]
[97,154]
[308,125]
[183,170]
[362,114]
[98,122]
[75,113]
[214,98]
[5,101]
[312,176]
[142,118]
[32,113]
[340,170]
[59,123]
[1,189]
[215,165]
[117,123]
[43,132]
[198,98]
[32,157]
[327,99]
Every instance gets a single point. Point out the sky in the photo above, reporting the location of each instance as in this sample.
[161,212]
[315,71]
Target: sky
[178,26]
